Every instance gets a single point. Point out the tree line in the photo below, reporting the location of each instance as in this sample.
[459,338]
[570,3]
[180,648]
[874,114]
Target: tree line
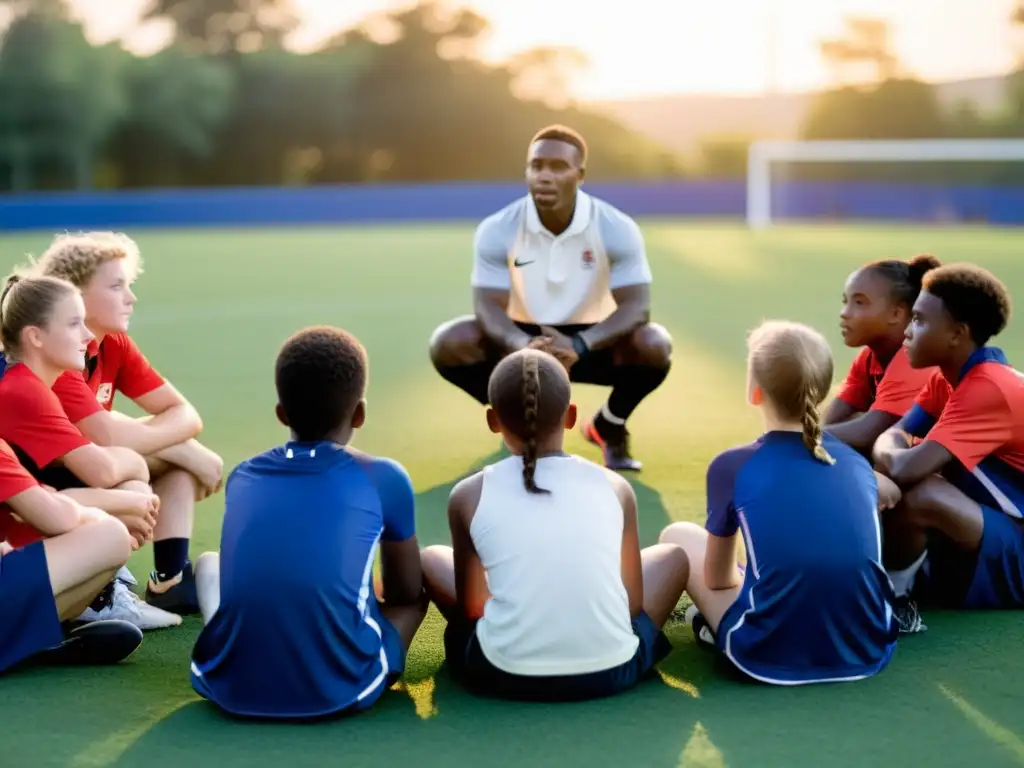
[403,97]
[874,97]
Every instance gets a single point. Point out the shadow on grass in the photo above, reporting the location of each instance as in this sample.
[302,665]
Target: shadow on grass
[949,697]
[938,703]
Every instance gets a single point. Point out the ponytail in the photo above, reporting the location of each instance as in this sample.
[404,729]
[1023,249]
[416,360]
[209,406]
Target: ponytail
[531,402]
[9,283]
[811,421]
[906,276]
[918,267]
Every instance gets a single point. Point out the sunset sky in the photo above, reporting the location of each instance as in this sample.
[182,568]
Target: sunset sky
[665,46]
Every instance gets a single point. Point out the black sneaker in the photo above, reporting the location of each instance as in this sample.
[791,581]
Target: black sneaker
[181,598]
[908,616]
[614,447]
[703,634]
[92,644]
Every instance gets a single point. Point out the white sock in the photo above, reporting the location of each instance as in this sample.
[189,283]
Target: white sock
[610,417]
[903,581]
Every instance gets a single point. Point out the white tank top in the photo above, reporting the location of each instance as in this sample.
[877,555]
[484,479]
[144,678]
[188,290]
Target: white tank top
[554,568]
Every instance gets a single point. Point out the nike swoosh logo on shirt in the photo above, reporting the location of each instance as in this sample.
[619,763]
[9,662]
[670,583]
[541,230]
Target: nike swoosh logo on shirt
[519,263]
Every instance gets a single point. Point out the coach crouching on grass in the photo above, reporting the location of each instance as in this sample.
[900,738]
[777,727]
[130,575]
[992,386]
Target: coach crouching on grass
[561,270]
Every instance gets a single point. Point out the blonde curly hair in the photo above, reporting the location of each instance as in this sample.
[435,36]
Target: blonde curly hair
[76,258]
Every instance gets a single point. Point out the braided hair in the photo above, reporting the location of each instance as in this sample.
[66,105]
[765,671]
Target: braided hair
[792,364]
[529,391]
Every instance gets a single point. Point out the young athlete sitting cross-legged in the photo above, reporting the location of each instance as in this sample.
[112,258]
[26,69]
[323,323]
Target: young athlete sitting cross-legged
[813,603]
[293,629]
[959,524]
[546,591]
[44,336]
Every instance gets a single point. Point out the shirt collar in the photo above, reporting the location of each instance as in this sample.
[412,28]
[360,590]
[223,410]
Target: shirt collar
[580,217]
[983,355]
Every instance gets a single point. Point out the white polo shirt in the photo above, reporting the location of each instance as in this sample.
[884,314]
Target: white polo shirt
[561,279]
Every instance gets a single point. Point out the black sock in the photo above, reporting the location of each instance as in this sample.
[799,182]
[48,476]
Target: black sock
[471,379]
[103,599]
[169,557]
[632,383]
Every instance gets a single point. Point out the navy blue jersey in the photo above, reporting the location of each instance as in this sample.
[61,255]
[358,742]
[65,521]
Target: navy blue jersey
[298,632]
[816,603]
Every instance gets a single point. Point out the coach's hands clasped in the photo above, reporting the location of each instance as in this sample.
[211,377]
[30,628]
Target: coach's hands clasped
[556,344]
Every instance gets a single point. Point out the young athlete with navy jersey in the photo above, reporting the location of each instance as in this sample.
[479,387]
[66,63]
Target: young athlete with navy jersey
[560,265]
[546,592]
[881,384]
[293,627]
[47,584]
[813,603]
[959,524]
[103,265]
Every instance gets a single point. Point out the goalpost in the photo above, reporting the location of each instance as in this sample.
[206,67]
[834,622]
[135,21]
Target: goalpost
[764,153]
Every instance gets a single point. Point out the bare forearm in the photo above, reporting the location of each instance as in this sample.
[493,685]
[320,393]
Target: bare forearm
[862,432]
[500,329]
[111,501]
[624,320]
[152,434]
[183,455]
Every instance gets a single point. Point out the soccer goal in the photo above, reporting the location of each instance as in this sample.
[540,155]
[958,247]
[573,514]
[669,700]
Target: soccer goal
[764,155]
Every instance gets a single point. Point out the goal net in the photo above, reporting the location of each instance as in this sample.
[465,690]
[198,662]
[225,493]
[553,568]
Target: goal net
[907,179]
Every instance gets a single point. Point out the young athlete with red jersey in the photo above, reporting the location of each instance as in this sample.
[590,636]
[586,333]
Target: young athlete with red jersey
[104,266]
[50,582]
[881,384]
[960,521]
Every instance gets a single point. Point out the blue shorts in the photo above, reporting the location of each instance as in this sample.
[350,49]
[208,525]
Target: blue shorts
[468,665]
[222,673]
[394,652]
[992,577]
[30,621]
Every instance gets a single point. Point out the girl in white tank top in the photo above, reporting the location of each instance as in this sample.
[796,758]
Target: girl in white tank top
[546,592]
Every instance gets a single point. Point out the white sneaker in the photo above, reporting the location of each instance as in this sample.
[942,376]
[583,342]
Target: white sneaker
[207,570]
[126,576]
[125,605]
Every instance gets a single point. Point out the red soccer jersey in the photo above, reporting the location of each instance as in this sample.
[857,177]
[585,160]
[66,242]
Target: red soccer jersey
[14,479]
[116,365]
[982,416]
[872,386]
[32,420]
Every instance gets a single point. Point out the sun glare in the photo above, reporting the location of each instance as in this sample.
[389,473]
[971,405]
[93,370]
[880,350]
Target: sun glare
[656,47]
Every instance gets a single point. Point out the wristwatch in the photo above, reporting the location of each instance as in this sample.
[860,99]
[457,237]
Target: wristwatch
[579,345]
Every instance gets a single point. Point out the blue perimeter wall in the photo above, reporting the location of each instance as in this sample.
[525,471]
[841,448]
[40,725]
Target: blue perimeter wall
[325,205]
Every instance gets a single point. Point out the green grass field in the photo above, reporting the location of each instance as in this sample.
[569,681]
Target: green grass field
[214,307]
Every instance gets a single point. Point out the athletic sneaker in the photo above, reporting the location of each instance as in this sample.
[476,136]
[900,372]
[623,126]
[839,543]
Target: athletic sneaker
[180,599]
[98,642]
[118,602]
[908,616]
[207,573]
[126,576]
[614,447]
[702,631]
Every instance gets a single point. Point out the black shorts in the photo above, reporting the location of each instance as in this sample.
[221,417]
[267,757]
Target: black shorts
[468,665]
[596,368]
[59,477]
[54,475]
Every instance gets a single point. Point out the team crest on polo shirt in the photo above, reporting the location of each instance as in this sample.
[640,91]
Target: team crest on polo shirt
[588,259]
[103,393]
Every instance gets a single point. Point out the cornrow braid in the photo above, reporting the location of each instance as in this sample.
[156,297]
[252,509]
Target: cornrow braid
[811,421]
[531,402]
